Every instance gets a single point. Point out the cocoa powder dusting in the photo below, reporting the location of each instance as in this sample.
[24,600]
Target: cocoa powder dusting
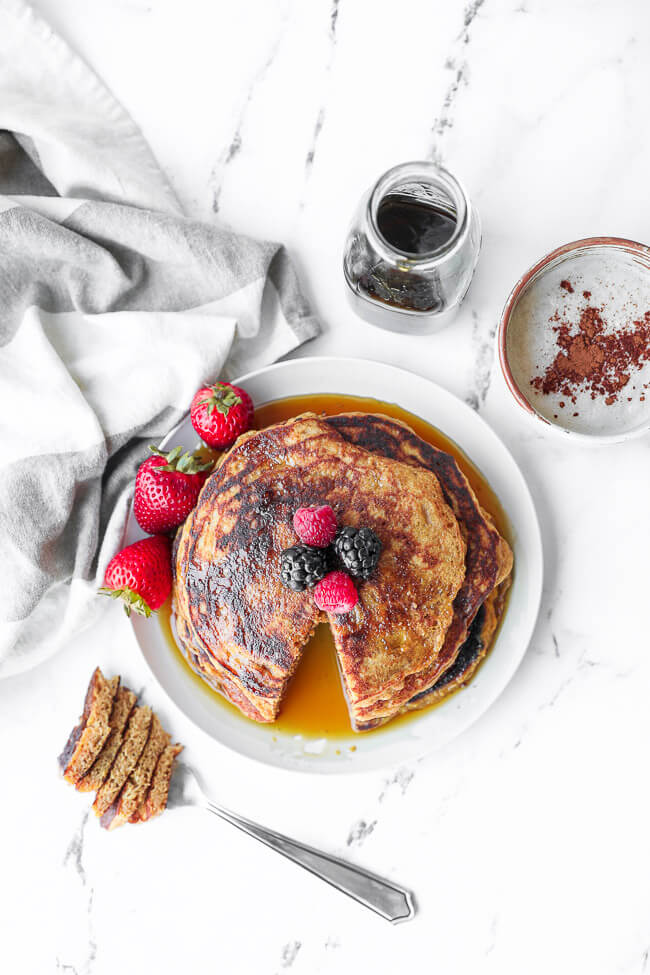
[591,359]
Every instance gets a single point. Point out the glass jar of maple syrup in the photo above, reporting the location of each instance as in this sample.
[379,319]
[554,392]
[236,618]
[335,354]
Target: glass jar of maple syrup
[412,249]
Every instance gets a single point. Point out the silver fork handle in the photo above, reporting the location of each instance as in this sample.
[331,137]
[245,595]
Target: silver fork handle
[390,901]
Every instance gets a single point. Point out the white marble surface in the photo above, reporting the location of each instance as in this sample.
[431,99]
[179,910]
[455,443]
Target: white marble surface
[527,840]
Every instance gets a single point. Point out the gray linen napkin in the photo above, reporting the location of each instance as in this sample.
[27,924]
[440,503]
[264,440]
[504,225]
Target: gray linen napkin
[113,309]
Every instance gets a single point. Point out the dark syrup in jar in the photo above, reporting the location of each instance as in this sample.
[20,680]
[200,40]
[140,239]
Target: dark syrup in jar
[413,227]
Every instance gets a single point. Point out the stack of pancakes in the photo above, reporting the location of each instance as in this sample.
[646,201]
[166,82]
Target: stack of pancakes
[424,619]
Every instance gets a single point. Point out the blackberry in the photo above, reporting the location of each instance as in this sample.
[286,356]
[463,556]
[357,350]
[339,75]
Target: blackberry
[358,550]
[302,566]
[332,562]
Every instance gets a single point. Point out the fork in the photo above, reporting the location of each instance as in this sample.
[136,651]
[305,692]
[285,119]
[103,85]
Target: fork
[391,902]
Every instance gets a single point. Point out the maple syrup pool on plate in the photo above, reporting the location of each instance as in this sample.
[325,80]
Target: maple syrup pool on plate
[314,705]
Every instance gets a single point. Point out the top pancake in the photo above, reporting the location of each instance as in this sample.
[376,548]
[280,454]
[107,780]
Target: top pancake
[489,557]
[244,632]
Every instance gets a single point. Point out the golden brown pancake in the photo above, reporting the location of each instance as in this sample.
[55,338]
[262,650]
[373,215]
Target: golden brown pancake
[244,632]
[133,743]
[135,789]
[471,654]
[87,739]
[123,705]
[488,558]
[155,802]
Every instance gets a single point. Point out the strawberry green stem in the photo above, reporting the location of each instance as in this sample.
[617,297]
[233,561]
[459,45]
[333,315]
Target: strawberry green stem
[191,462]
[222,397]
[132,600]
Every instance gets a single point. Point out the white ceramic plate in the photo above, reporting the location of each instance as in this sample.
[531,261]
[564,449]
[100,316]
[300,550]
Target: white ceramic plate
[429,729]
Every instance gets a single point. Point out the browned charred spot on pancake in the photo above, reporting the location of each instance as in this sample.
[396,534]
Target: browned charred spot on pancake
[70,745]
[222,586]
[467,656]
[201,664]
[370,433]
[372,437]
[260,688]
[264,446]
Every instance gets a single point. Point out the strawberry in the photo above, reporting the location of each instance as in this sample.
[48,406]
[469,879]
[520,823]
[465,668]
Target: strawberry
[141,575]
[336,593]
[166,488]
[221,413]
[315,525]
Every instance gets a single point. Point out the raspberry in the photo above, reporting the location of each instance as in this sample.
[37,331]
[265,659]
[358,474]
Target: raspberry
[315,525]
[336,593]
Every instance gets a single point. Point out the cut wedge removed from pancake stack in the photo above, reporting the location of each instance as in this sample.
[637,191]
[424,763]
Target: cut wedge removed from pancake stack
[441,559]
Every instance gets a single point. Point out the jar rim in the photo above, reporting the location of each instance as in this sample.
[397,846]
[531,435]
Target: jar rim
[425,171]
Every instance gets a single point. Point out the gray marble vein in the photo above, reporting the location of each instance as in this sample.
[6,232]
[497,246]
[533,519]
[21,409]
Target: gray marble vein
[74,857]
[483,358]
[92,943]
[289,953]
[334,16]
[74,853]
[584,663]
[360,831]
[309,160]
[320,117]
[63,967]
[401,779]
[234,147]
[457,63]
